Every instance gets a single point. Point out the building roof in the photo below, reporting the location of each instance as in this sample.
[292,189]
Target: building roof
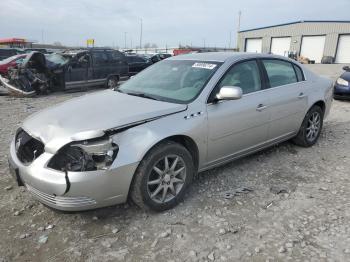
[297,22]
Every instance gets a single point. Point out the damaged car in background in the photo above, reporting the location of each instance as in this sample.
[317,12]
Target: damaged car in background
[147,139]
[42,73]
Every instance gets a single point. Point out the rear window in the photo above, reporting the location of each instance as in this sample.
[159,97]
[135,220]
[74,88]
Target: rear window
[299,73]
[280,72]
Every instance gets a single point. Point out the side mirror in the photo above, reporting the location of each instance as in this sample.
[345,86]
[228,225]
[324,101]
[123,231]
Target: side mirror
[346,68]
[229,93]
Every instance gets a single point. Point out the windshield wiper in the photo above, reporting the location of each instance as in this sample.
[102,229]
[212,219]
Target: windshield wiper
[142,95]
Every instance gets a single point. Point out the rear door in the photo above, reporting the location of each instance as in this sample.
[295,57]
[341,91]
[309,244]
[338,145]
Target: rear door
[288,97]
[238,126]
[101,66]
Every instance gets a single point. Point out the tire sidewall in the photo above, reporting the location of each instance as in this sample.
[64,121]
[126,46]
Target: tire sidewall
[116,78]
[152,159]
[305,122]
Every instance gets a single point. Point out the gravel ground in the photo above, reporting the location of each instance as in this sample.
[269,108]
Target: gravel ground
[284,203]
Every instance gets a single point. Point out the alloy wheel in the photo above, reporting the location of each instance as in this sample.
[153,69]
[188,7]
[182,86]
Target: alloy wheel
[313,126]
[166,178]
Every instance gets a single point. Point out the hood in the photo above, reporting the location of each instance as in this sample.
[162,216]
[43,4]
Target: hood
[90,115]
[346,76]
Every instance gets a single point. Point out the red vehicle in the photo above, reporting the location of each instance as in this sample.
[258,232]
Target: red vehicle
[10,62]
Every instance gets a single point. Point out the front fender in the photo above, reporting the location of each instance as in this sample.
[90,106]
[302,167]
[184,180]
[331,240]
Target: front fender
[134,143]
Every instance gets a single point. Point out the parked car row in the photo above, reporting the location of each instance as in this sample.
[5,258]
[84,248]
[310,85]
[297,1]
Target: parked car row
[37,72]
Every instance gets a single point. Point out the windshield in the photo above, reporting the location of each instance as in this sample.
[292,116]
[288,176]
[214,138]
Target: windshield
[179,81]
[56,59]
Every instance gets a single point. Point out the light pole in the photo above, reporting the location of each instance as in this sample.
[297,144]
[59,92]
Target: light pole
[238,27]
[141,34]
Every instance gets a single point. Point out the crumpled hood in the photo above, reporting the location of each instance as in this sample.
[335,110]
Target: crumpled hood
[88,116]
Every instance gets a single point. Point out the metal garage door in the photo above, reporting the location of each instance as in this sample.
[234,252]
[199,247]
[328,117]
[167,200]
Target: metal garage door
[253,45]
[343,51]
[312,47]
[280,45]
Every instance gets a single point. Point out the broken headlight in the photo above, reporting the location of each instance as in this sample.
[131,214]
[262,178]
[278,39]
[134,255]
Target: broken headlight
[87,155]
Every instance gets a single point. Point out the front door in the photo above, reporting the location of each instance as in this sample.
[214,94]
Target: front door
[238,126]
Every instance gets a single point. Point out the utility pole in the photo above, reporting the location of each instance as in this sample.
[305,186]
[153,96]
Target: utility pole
[125,39]
[229,42]
[238,27]
[141,35]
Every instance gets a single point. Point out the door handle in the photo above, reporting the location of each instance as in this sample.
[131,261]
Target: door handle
[261,107]
[301,95]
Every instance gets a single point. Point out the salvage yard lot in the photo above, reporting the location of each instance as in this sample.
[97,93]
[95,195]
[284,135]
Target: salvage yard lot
[284,203]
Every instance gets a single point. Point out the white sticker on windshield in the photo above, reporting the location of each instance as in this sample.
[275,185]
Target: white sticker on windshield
[204,65]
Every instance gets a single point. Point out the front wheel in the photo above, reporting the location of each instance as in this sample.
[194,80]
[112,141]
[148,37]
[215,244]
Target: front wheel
[311,127]
[163,176]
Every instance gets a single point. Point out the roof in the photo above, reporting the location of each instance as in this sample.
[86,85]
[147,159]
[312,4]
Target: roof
[218,56]
[297,22]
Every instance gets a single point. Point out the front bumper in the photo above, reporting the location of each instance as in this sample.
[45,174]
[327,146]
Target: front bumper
[15,90]
[341,91]
[72,191]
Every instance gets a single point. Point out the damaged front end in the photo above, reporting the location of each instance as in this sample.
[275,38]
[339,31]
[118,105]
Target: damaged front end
[31,77]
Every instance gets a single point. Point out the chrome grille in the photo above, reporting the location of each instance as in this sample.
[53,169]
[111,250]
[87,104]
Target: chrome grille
[59,200]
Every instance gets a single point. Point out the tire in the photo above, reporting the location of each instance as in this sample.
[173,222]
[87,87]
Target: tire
[151,176]
[303,137]
[112,82]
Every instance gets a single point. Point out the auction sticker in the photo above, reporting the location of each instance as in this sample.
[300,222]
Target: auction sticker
[204,65]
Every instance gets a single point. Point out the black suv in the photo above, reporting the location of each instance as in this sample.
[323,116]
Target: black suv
[95,67]
[39,73]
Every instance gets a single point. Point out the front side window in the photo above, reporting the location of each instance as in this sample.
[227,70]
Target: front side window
[244,75]
[279,72]
[179,81]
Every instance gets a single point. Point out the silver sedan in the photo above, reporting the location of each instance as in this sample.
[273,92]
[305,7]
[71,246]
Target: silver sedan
[147,139]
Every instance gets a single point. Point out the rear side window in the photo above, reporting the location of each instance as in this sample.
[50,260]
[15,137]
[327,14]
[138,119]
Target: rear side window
[280,72]
[114,56]
[244,75]
[299,73]
[99,57]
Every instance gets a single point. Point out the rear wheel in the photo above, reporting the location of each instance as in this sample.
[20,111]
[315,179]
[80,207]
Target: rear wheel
[311,127]
[162,177]
[112,82]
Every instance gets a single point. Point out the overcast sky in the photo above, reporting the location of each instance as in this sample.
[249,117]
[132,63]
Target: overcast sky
[169,22]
